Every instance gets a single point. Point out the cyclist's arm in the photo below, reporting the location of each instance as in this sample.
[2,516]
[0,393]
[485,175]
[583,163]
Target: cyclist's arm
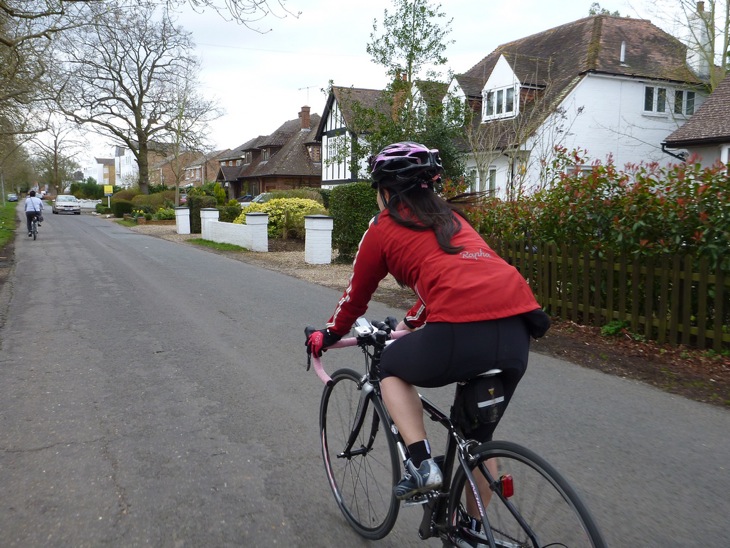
[369,268]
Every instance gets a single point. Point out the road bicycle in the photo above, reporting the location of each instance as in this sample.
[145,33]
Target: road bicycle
[529,503]
[34,226]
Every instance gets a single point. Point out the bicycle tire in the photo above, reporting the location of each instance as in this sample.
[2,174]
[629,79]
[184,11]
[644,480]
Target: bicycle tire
[542,497]
[35,231]
[362,482]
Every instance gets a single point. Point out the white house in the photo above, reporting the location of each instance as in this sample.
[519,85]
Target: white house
[125,167]
[611,86]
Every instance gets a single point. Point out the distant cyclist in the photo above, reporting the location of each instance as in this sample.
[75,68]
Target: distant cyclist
[480,310]
[33,208]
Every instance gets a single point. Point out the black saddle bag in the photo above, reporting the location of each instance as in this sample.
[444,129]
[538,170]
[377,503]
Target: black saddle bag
[479,401]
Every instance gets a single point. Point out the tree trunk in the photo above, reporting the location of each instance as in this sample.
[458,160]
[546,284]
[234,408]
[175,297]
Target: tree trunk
[144,167]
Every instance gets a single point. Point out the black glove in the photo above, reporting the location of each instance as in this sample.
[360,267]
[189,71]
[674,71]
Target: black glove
[319,340]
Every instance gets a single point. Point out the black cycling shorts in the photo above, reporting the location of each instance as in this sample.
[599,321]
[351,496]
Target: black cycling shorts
[444,353]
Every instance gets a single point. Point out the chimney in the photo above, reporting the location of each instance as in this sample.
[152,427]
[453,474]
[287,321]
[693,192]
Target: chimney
[699,52]
[304,117]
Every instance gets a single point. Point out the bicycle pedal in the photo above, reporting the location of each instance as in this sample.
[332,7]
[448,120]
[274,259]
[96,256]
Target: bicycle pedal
[416,500]
[419,500]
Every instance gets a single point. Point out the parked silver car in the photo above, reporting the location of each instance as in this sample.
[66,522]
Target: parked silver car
[66,204]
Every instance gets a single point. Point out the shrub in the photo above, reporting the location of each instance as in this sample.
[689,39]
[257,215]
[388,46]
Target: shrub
[121,207]
[125,194]
[196,202]
[165,214]
[153,202]
[103,209]
[645,210]
[229,213]
[286,215]
[314,194]
[351,207]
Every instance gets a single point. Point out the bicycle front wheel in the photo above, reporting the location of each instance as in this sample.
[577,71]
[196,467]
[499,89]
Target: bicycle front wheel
[542,509]
[360,455]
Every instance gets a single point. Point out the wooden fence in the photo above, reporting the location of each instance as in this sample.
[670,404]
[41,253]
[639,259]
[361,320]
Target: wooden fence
[676,300]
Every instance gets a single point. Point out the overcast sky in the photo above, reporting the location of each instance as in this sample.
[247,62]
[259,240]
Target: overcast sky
[263,80]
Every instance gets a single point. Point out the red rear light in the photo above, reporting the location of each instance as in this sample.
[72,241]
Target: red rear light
[508,488]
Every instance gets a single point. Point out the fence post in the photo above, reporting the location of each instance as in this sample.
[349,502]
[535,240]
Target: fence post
[258,224]
[318,239]
[182,220]
[207,214]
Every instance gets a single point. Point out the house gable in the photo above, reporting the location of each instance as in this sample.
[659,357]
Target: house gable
[340,125]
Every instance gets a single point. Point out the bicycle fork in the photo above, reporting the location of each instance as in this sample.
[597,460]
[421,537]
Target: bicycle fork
[362,406]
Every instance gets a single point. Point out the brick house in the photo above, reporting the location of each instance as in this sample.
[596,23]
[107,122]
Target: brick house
[202,169]
[288,158]
[171,170]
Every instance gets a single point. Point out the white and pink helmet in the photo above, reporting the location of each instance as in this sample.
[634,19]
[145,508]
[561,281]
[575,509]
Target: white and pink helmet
[405,163]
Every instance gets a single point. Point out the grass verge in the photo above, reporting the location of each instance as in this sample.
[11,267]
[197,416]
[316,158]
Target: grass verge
[216,245]
[7,222]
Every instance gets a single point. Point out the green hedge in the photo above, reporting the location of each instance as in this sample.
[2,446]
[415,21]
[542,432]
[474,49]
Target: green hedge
[196,203]
[644,210]
[351,208]
[120,207]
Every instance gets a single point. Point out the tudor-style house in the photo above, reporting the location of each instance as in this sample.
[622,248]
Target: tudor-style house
[336,133]
[614,87]
[288,158]
[707,133]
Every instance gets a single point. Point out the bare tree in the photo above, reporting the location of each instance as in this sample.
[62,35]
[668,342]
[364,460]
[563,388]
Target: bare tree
[705,27]
[122,77]
[56,150]
[35,19]
[528,138]
[186,136]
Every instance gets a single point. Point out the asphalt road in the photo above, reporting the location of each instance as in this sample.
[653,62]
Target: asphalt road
[152,393]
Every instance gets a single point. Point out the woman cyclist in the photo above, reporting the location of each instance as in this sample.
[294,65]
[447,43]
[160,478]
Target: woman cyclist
[474,312]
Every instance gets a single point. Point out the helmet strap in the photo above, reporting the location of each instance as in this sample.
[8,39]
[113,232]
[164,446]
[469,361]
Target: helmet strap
[381,191]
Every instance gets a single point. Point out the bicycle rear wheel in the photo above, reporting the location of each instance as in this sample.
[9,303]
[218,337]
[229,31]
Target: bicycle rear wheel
[361,477]
[35,230]
[544,510]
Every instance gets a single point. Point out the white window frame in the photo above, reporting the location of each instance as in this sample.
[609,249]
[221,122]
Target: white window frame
[492,180]
[500,103]
[659,100]
[686,101]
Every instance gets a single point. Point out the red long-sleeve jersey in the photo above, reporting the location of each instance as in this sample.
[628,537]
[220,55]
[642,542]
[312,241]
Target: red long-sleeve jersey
[474,284]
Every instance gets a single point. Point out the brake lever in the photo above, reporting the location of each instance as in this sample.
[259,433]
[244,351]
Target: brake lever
[307,332]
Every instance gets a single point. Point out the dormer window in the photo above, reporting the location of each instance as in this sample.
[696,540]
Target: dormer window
[265,154]
[499,103]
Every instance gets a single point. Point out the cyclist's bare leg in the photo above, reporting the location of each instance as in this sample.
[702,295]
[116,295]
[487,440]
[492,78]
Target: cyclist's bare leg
[404,405]
[484,490]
